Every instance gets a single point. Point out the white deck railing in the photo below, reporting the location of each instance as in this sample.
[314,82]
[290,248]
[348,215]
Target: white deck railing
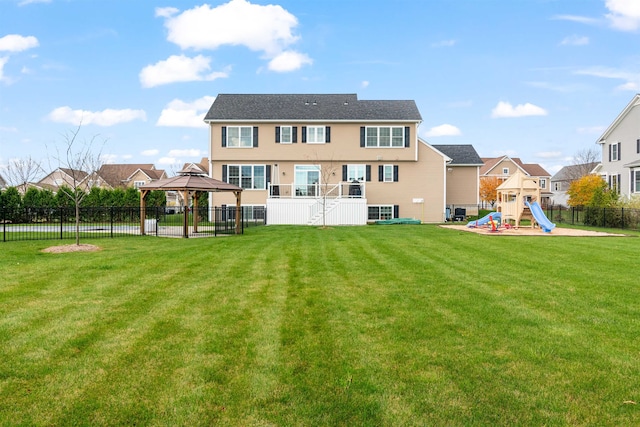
[318,191]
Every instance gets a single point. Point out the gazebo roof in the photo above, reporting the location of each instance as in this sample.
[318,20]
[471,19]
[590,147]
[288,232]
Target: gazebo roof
[190,180]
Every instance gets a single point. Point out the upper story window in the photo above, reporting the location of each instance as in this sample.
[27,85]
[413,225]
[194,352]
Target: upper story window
[505,171]
[388,173]
[138,184]
[315,135]
[543,183]
[556,186]
[239,136]
[286,134]
[384,136]
[614,152]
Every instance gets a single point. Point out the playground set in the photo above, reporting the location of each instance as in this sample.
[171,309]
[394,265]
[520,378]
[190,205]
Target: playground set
[518,198]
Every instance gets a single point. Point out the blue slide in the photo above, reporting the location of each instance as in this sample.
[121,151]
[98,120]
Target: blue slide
[485,219]
[540,217]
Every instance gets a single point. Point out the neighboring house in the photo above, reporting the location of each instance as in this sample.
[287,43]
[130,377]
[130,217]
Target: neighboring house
[463,177]
[325,159]
[62,177]
[620,142]
[564,177]
[126,175]
[203,165]
[3,183]
[505,166]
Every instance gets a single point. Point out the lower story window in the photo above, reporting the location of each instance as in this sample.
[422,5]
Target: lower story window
[253,212]
[380,212]
[249,177]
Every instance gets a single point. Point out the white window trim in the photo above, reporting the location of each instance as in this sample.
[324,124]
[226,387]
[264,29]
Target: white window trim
[543,183]
[138,184]
[391,128]
[505,171]
[239,137]
[253,176]
[356,167]
[379,208]
[290,141]
[324,134]
[384,173]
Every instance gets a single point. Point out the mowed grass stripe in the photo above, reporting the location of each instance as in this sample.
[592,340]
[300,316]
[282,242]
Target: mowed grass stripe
[305,326]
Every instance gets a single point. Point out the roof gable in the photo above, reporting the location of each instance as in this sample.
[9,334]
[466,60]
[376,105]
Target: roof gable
[634,103]
[309,107]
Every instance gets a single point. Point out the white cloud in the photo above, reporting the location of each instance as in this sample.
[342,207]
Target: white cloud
[444,43]
[3,62]
[624,14]
[261,28]
[108,158]
[632,79]
[549,154]
[108,117]
[185,114]
[505,109]
[364,84]
[575,40]
[289,61]
[168,161]
[27,2]
[17,43]
[443,130]
[149,153]
[179,69]
[8,129]
[192,152]
[576,18]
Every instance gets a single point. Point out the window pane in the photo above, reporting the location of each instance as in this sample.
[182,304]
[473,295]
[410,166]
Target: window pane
[258,177]
[373,212]
[388,173]
[398,137]
[233,137]
[285,134]
[355,172]
[386,212]
[385,137]
[372,137]
[245,136]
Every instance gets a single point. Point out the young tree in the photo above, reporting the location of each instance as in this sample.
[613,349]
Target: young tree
[591,190]
[81,161]
[489,189]
[20,172]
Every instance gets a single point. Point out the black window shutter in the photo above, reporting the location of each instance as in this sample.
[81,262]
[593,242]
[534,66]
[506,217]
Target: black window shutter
[368,172]
[327,134]
[362,136]
[407,136]
[304,134]
[396,211]
[609,155]
[224,173]
[395,173]
[632,178]
[224,136]
[277,134]
[380,173]
[618,184]
[268,175]
[255,136]
[294,134]
[637,145]
[344,172]
[619,153]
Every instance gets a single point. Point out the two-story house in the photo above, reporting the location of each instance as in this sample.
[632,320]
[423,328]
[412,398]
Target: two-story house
[61,177]
[125,175]
[325,158]
[503,167]
[561,181]
[620,144]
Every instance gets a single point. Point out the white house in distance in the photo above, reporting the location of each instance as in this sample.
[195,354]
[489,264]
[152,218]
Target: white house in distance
[620,145]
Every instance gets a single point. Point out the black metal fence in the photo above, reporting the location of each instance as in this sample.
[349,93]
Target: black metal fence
[60,223]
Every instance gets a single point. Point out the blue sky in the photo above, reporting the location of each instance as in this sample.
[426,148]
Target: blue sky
[535,79]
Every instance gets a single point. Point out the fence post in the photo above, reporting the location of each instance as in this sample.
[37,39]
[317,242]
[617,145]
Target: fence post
[61,228]
[111,220]
[622,217]
[4,225]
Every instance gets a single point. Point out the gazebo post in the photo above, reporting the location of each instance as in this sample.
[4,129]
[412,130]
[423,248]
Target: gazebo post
[238,207]
[143,210]
[185,225]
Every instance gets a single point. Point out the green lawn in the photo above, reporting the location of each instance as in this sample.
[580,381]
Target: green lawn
[299,326]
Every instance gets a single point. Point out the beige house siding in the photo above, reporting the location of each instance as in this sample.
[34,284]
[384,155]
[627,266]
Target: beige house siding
[459,188]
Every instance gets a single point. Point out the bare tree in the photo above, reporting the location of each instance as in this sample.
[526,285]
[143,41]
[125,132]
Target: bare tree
[583,163]
[20,172]
[81,163]
[327,187]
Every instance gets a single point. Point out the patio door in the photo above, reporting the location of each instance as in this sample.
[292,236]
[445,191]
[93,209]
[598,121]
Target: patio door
[307,179]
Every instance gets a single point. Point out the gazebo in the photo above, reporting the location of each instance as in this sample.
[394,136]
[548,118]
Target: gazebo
[189,181]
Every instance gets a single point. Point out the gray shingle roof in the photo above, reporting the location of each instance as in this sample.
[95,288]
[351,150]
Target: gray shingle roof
[461,154]
[227,107]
